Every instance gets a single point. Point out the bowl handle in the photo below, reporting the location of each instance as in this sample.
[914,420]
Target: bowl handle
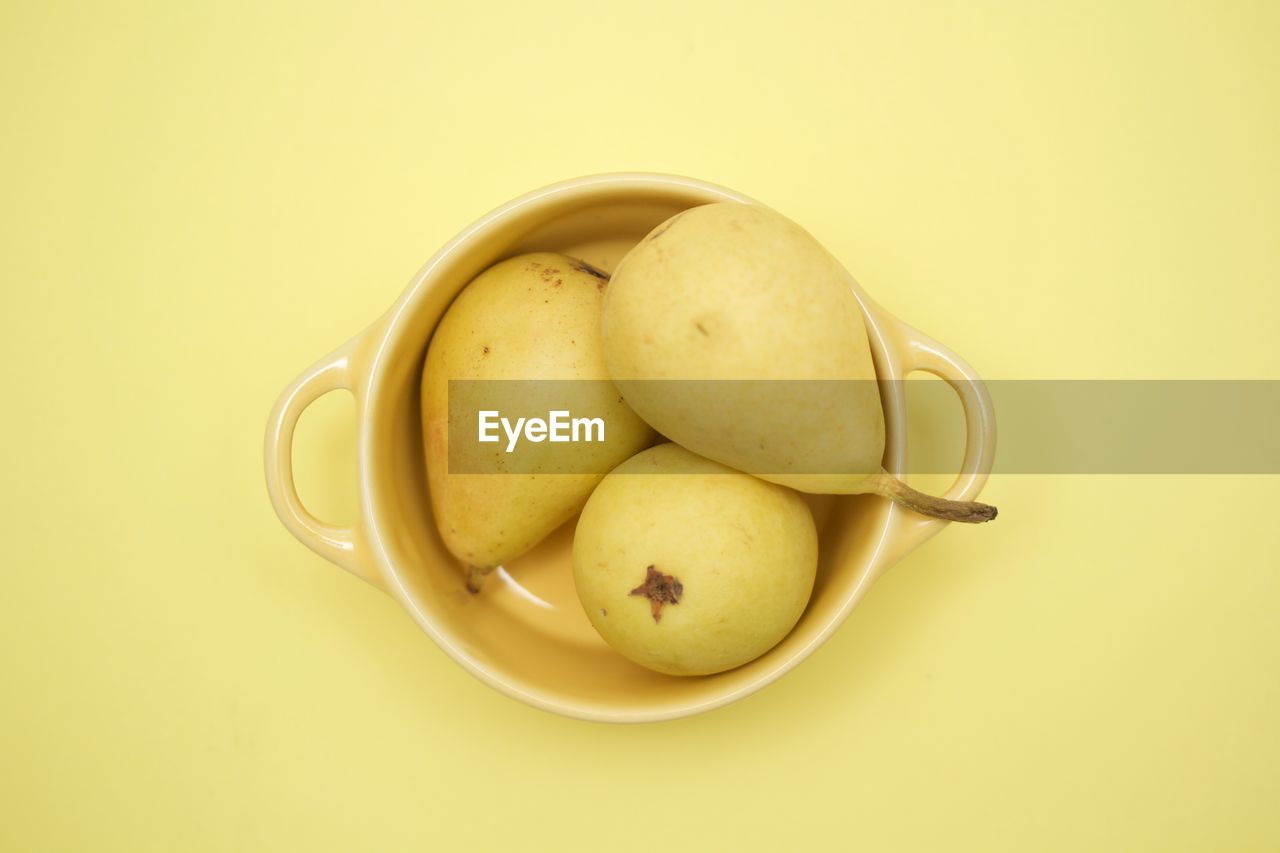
[344,546]
[921,352]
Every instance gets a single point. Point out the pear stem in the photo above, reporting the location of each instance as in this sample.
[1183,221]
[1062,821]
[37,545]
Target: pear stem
[475,578]
[970,512]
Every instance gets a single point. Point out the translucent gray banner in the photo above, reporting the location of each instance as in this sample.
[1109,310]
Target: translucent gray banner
[1043,426]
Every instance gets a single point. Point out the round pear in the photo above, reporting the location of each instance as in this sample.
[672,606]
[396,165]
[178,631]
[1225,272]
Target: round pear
[688,567]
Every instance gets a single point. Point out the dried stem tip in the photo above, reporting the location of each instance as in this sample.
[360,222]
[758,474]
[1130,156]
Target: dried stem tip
[660,589]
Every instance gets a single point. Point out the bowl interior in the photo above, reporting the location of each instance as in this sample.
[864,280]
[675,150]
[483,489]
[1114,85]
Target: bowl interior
[526,633]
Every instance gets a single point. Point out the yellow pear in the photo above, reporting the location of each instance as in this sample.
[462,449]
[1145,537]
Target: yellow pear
[526,320]
[752,307]
[688,567]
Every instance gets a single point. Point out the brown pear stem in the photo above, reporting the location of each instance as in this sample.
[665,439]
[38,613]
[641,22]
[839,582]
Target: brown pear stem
[970,512]
[475,578]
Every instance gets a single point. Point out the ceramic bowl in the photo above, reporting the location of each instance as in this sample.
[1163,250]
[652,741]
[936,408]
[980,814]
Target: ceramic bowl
[526,634]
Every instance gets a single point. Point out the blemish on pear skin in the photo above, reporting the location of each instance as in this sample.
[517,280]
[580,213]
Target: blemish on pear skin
[660,589]
[486,350]
[583,266]
[702,328]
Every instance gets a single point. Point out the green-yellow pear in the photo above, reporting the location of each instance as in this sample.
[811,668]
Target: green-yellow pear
[752,307]
[528,319]
[689,567]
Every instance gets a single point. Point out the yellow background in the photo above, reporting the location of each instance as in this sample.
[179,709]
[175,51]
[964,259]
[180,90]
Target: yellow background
[200,199]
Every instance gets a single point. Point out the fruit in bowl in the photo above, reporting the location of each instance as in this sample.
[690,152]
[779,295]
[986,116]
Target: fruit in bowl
[526,635]
[689,567]
[715,331]
[534,317]
[744,301]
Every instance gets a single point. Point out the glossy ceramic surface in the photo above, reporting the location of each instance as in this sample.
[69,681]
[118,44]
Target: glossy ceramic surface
[526,634]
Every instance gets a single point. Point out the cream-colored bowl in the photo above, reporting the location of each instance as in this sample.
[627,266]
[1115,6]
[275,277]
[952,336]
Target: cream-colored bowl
[526,634]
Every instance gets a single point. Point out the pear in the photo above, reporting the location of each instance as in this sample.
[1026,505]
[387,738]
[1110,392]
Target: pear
[689,567]
[531,317]
[751,305]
